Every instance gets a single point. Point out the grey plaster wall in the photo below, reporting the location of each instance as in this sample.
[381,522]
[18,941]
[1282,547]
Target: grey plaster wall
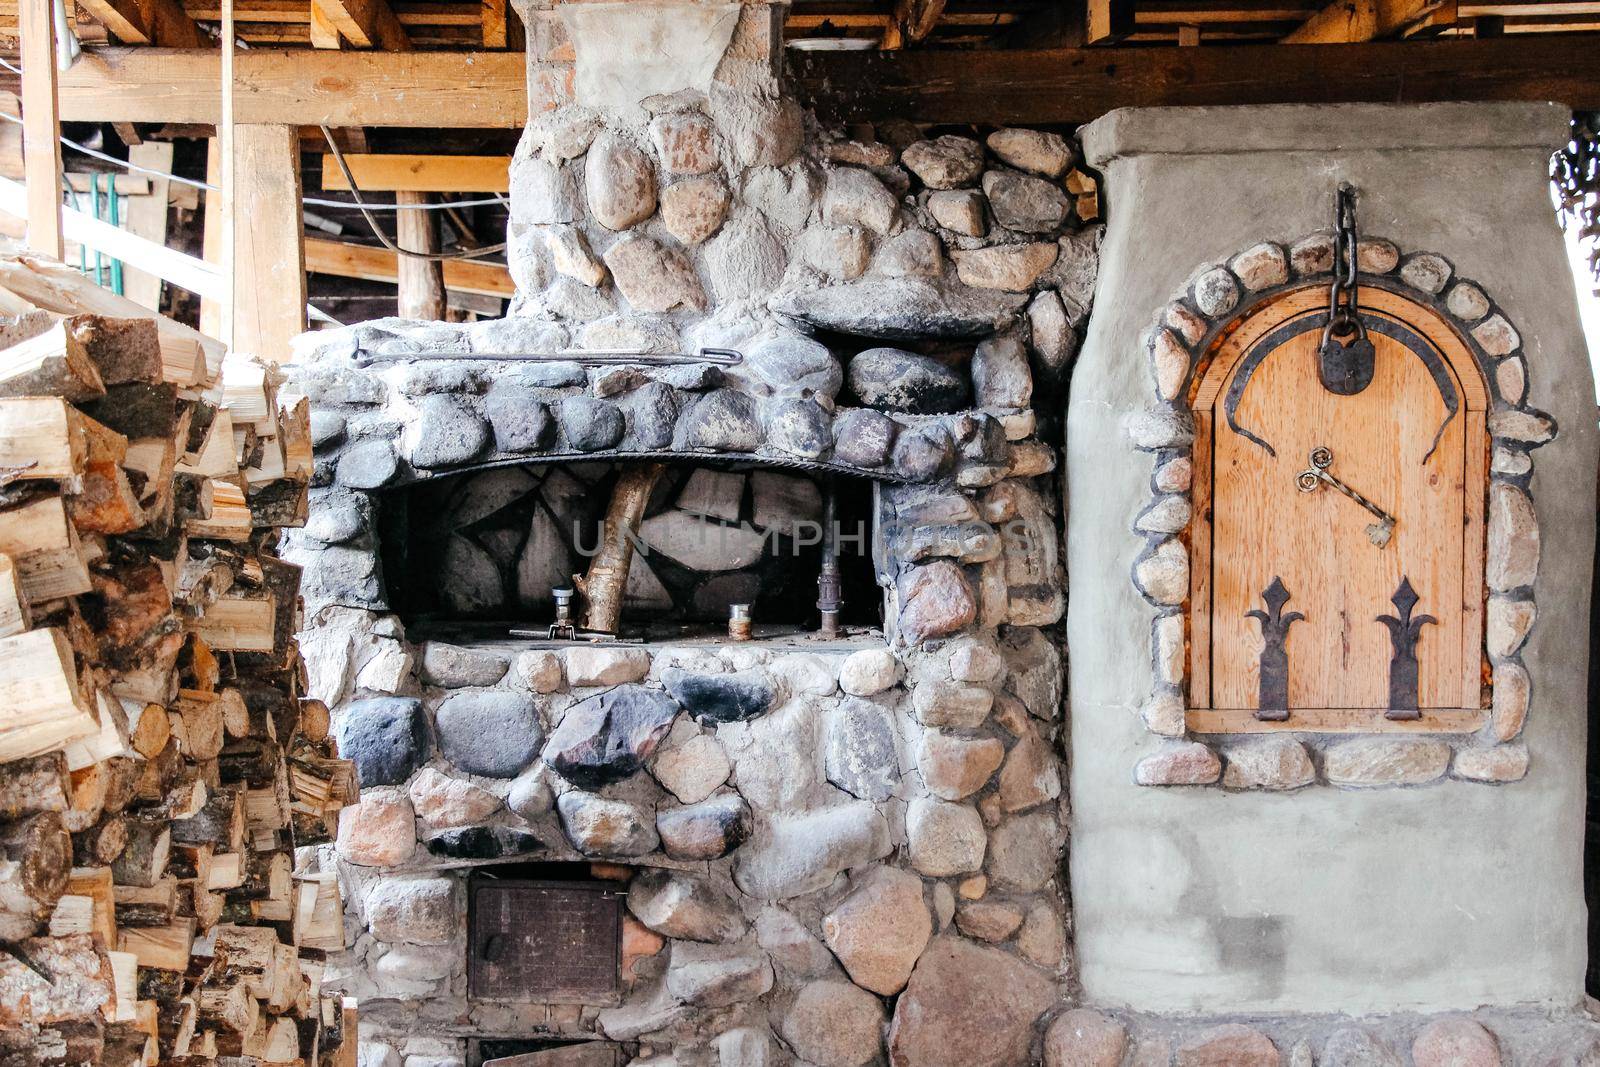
[1443,897]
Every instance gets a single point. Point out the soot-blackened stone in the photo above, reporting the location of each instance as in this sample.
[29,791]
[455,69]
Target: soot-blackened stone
[651,411]
[705,831]
[521,422]
[862,437]
[720,697]
[922,454]
[386,738]
[448,432]
[591,425]
[608,737]
[722,421]
[482,843]
[896,380]
[799,427]
[488,732]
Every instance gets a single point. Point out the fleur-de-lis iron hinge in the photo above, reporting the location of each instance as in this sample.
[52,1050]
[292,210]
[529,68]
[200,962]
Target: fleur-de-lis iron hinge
[1272,703]
[1403,633]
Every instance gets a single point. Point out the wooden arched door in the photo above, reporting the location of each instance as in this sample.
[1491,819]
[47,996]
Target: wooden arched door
[1338,539]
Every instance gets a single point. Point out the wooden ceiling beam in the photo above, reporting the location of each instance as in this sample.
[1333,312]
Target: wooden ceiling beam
[366,23]
[1078,85]
[482,90]
[1344,21]
[163,23]
[443,90]
[397,172]
[343,260]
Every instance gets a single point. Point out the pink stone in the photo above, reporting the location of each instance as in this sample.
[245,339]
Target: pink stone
[1084,1038]
[1179,763]
[968,1004]
[1455,1043]
[1232,1045]
[955,767]
[880,929]
[378,831]
[935,601]
[443,802]
[686,143]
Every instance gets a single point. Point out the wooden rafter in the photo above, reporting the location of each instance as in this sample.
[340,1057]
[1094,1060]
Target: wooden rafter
[159,22]
[421,174]
[1109,21]
[1078,85]
[378,265]
[365,23]
[1366,20]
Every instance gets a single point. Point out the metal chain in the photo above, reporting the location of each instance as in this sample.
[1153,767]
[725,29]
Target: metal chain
[1345,293]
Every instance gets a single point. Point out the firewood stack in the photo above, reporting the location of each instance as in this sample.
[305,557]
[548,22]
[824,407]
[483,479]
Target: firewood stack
[158,764]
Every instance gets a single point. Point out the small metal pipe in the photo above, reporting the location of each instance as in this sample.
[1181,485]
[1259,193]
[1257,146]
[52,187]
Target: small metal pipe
[829,587]
[739,623]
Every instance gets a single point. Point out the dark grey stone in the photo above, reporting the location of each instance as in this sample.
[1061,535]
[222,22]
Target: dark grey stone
[1352,1047]
[339,385]
[591,425]
[862,437]
[722,421]
[694,377]
[896,380]
[1020,202]
[386,738]
[368,464]
[860,754]
[552,375]
[459,667]
[714,698]
[327,427]
[985,441]
[449,432]
[343,574]
[607,738]
[490,733]
[521,421]
[705,831]
[795,365]
[800,428]
[482,843]
[651,412]
[922,454]
[435,376]
[335,518]
[903,308]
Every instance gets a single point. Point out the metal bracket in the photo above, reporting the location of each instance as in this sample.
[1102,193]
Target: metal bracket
[1403,633]
[1272,703]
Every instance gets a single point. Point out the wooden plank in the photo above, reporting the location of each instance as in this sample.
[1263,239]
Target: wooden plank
[211,234]
[1109,21]
[1337,721]
[366,23]
[322,31]
[269,277]
[496,29]
[41,127]
[420,174]
[1078,85]
[420,282]
[378,265]
[1361,20]
[917,18]
[147,218]
[455,90]
[124,18]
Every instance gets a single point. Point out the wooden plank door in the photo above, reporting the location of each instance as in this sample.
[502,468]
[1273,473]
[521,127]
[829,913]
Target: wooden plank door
[1405,443]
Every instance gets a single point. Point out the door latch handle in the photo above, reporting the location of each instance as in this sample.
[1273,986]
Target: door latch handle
[1317,475]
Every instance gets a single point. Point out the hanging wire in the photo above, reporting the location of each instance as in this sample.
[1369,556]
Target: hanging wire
[377,231]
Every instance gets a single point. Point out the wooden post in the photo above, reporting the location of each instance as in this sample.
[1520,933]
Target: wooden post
[421,281]
[269,274]
[41,126]
[211,238]
[147,217]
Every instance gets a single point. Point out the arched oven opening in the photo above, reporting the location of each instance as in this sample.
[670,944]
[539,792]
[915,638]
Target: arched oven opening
[482,554]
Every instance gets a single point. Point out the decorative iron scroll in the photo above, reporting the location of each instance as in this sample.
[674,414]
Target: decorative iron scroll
[1403,632]
[1272,702]
[1414,342]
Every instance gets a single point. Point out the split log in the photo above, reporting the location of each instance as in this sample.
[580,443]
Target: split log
[202,715]
[81,981]
[35,862]
[45,708]
[30,786]
[100,844]
[164,948]
[144,858]
[219,823]
[52,363]
[15,614]
[46,549]
[122,350]
[154,905]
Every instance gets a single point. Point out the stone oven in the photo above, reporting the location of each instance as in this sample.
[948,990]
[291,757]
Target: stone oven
[805,344]
[781,342]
